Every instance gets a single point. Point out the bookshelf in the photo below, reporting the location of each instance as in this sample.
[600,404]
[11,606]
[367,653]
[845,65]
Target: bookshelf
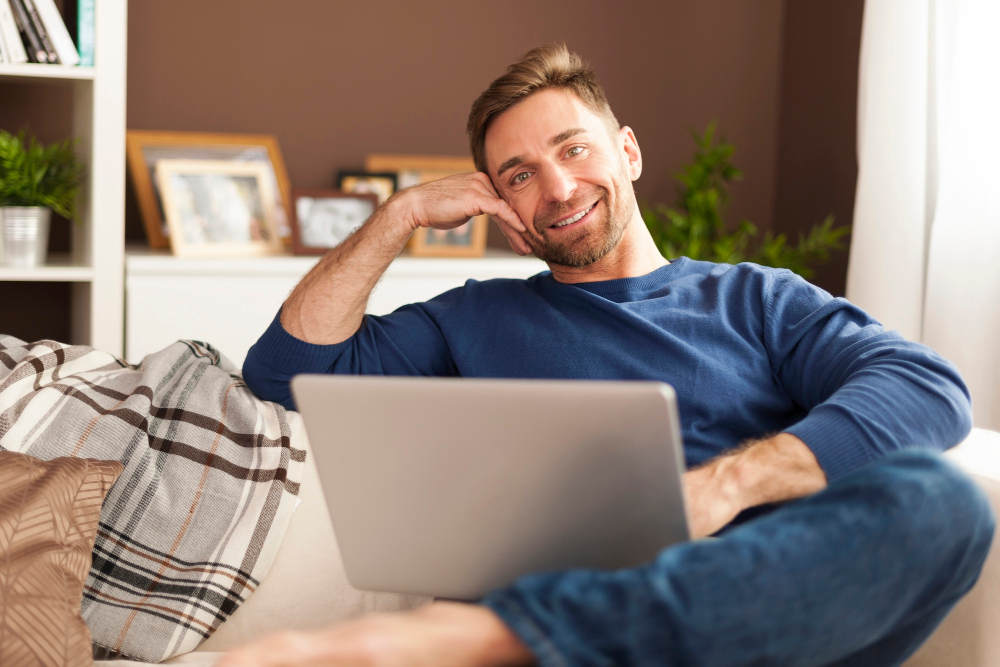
[95,266]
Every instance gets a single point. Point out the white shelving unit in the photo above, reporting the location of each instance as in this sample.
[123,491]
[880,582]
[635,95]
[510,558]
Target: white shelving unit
[95,267]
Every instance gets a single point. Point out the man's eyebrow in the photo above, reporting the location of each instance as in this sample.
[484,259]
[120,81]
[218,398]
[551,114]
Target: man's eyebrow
[563,136]
[555,141]
[513,162]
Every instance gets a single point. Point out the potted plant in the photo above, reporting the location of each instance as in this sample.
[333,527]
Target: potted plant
[34,181]
[696,229]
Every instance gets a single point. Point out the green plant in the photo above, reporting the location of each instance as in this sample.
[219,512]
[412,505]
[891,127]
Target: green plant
[696,229]
[35,175]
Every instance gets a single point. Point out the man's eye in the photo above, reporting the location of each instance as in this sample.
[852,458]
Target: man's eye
[576,150]
[522,177]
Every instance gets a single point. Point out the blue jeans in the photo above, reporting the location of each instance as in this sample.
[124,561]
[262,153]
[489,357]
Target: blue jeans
[859,574]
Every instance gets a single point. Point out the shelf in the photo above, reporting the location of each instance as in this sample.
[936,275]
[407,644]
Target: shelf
[59,269]
[38,72]
[142,261]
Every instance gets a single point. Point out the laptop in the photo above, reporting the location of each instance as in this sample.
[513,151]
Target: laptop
[454,487]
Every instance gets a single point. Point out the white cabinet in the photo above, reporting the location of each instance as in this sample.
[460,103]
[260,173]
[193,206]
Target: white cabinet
[230,302]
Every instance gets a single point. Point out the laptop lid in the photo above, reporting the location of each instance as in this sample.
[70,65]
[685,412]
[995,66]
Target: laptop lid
[454,487]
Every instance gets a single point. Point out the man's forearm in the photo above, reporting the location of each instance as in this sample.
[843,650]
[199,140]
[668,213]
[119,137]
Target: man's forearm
[774,470]
[328,304]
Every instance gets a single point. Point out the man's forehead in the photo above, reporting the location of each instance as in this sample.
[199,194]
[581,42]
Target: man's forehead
[544,119]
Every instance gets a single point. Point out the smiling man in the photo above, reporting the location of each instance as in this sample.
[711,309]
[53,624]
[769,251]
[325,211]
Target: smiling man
[787,396]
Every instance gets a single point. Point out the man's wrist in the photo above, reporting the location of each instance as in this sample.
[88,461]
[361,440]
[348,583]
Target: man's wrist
[774,470]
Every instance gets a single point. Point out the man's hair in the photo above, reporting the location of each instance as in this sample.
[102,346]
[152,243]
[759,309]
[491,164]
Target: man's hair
[549,66]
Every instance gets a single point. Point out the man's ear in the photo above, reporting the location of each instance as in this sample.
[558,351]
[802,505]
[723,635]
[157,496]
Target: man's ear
[630,147]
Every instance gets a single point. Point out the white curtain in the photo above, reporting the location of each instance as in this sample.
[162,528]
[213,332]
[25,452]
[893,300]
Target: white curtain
[925,254]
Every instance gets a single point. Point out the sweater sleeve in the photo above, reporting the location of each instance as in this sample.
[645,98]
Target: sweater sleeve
[408,341]
[868,391]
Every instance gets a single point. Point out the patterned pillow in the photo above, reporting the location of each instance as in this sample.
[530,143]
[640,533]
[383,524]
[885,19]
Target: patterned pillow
[48,521]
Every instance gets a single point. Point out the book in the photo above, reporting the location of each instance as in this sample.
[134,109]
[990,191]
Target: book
[58,34]
[3,51]
[36,52]
[43,35]
[15,52]
[79,17]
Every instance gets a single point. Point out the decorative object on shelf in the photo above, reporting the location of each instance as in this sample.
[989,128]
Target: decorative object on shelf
[321,219]
[146,148]
[34,180]
[362,183]
[218,208]
[695,229]
[468,240]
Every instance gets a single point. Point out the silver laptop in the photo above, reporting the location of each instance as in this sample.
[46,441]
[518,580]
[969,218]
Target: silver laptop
[454,487]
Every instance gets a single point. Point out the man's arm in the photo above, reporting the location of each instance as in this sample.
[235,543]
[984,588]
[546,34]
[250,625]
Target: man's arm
[774,470]
[328,304]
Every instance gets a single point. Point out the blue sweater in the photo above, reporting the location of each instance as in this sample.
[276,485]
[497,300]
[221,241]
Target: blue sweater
[750,352]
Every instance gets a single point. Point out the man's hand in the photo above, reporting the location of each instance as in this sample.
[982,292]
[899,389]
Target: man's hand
[770,471]
[450,202]
[441,634]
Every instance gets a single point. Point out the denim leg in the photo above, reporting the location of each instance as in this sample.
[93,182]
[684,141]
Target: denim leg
[859,574]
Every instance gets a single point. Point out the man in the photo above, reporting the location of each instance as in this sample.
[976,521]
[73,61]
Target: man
[785,393]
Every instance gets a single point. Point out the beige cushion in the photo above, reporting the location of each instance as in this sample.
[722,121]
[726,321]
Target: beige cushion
[48,522]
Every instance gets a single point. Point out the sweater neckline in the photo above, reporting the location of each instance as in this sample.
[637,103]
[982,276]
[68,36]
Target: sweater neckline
[621,285]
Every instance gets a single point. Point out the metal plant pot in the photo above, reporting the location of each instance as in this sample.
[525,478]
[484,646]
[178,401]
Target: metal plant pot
[25,233]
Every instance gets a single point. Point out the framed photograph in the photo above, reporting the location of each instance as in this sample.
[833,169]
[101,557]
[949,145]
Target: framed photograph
[321,219]
[218,208]
[145,149]
[362,183]
[469,240]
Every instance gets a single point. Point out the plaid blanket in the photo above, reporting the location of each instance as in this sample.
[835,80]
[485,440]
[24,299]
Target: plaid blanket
[193,524]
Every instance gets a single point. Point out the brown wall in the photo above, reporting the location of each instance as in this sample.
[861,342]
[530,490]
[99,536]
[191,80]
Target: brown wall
[338,80]
[817,163]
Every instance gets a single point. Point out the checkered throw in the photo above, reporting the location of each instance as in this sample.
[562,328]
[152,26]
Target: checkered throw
[194,522]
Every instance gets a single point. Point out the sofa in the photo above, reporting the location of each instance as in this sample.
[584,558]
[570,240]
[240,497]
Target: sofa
[307,588]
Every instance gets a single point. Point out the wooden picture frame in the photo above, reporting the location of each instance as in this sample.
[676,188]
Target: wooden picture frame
[382,184]
[144,148]
[416,169]
[218,208]
[333,224]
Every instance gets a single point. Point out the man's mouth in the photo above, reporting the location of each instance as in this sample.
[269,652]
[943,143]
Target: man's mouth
[574,218]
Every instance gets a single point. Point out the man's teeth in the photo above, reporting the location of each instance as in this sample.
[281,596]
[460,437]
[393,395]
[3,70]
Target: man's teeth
[570,221]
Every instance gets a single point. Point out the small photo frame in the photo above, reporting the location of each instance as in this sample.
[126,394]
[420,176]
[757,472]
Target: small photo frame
[321,219]
[468,240]
[362,183]
[145,148]
[218,208]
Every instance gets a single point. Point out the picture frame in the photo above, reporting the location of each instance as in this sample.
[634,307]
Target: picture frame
[322,219]
[218,208]
[144,148]
[466,241]
[383,184]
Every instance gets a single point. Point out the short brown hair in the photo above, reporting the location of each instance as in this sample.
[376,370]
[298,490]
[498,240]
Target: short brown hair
[549,66]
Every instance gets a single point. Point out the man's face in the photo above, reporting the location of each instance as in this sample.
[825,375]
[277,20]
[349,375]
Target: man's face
[557,164]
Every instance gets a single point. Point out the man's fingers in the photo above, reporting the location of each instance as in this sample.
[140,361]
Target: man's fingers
[499,209]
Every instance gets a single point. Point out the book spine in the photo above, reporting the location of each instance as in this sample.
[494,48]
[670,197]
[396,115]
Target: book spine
[36,52]
[4,56]
[11,35]
[58,34]
[85,32]
[43,36]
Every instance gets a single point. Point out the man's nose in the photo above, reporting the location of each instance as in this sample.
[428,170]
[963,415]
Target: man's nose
[558,184]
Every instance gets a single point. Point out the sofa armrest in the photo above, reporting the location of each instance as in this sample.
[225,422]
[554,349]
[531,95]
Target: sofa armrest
[968,636]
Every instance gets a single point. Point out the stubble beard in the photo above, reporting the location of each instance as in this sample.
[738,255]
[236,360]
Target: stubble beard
[581,252]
